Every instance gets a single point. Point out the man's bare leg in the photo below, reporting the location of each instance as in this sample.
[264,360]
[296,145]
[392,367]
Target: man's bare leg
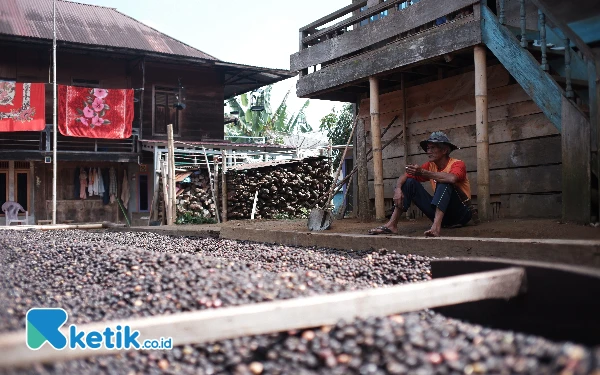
[393,222]
[436,227]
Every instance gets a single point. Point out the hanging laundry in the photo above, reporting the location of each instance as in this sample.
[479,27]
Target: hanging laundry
[96,181]
[113,185]
[125,190]
[82,183]
[95,113]
[100,182]
[91,182]
[22,106]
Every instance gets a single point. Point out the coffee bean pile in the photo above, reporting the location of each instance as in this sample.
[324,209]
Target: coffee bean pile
[99,276]
[419,343]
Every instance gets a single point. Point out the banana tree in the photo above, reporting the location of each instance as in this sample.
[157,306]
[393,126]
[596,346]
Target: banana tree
[266,123]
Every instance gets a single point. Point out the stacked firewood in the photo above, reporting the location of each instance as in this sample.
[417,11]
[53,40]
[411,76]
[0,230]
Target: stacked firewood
[284,191]
[196,197]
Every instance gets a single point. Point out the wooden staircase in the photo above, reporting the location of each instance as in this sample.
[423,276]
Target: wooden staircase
[562,82]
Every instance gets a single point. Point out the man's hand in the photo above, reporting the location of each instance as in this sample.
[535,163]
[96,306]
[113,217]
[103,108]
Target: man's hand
[414,170]
[398,197]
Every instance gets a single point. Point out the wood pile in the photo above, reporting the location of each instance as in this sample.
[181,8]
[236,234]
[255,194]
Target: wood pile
[196,198]
[284,191]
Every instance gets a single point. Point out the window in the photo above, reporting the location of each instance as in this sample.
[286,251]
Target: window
[164,113]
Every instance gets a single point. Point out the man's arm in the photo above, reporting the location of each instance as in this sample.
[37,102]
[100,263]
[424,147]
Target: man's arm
[458,172]
[441,177]
[401,180]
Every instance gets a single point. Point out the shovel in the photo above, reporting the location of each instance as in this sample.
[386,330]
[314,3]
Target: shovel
[321,219]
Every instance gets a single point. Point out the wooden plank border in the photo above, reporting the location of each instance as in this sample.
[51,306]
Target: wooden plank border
[299,313]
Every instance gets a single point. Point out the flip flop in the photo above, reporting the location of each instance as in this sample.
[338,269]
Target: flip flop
[380,230]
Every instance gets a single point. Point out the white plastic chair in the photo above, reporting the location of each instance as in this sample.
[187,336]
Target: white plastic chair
[11,210]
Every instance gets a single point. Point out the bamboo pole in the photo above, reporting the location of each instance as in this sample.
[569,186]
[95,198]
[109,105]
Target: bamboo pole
[212,184]
[481,110]
[224,187]
[54,110]
[173,205]
[376,145]
[404,120]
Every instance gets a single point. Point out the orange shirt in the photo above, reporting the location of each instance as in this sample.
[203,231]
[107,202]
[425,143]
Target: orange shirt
[456,167]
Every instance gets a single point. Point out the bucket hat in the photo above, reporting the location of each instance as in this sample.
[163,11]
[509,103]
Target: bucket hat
[438,137]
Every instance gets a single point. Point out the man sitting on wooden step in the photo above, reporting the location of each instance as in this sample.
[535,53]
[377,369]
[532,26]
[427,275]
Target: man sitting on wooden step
[450,205]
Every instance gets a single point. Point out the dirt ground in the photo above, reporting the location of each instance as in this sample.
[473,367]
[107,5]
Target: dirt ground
[504,228]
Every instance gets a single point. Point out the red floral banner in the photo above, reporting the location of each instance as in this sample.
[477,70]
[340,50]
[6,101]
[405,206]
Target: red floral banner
[22,106]
[95,113]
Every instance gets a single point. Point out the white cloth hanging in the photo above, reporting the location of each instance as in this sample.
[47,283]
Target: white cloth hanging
[112,188]
[96,185]
[91,182]
[100,183]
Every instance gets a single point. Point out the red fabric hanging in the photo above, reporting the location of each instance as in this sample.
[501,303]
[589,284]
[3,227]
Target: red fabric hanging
[22,106]
[95,113]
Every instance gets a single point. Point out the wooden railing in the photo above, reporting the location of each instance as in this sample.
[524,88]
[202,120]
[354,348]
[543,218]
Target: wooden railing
[91,145]
[343,38]
[574,47]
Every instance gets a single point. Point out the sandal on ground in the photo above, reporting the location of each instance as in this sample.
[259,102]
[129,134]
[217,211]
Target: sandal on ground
[380,230]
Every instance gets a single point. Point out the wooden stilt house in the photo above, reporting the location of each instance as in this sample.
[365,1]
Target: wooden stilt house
[514,84]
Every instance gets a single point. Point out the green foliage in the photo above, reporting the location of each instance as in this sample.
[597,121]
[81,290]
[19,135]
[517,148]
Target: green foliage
[304,213]
[190,218]
[268,123]
[338,125]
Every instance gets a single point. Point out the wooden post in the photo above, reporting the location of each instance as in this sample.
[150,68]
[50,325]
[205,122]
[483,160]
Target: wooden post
[576,162]
[569,87]
[594,92]
[544,45]
[481,115]
[224,187]
[173,205]
[376,146]
[166,202]
[523,24]
[363,177]
[502,17]
[404,120]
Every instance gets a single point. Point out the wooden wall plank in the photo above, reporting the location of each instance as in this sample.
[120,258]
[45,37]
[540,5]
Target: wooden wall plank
[512,95]
[531,180]
[436,42]
[576,154]
[529,152]
[534,205]
[460,87]
[505,130]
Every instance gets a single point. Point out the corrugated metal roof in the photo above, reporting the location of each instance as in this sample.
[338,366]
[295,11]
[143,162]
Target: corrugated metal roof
[87,24]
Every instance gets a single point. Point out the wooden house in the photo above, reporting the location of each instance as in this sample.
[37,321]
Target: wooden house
[100,47]
[514,83]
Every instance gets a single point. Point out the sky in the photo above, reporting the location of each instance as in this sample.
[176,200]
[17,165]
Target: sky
[259,32]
